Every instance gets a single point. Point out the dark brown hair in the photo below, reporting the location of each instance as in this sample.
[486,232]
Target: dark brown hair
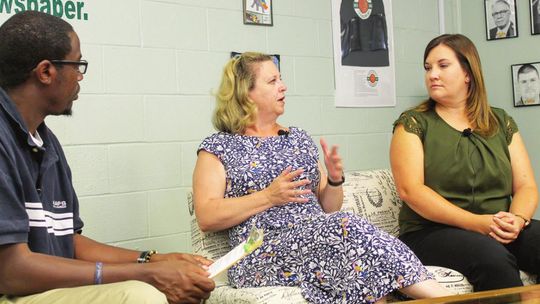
[478,110]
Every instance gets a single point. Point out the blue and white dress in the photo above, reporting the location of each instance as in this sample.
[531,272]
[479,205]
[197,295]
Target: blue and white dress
[333,258]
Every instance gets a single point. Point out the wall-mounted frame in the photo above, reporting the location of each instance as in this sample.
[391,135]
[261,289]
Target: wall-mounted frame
[258,12]
[535,16]
[501,20]
[526,84]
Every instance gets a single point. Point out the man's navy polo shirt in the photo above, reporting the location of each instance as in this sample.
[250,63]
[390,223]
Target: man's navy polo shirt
[38,204]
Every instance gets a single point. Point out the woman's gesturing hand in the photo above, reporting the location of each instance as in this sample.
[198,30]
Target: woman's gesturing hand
[285,189]
[332,161]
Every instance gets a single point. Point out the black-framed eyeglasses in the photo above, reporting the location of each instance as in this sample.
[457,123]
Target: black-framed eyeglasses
[82,65]
[503,12]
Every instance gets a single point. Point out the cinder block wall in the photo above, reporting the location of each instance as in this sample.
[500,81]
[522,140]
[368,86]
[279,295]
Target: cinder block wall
[146,101]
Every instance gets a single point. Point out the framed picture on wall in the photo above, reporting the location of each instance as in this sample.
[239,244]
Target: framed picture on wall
[535,16]
[501,20]
[258,12]
[526,84]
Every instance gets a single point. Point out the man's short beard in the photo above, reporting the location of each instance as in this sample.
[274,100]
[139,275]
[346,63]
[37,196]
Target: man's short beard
[67,112]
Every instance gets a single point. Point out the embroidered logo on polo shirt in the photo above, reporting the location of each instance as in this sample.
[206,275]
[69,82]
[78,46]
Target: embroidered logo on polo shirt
[59,204]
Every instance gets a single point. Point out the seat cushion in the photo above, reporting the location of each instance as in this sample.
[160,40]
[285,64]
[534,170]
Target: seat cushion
[261,295]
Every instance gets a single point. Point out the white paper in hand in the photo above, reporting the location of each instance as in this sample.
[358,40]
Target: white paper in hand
[253,242]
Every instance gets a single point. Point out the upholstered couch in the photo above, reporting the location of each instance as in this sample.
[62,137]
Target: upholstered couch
[371,194]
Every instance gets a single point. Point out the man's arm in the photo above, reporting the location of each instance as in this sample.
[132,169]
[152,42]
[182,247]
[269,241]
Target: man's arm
[89,250]
[23,272]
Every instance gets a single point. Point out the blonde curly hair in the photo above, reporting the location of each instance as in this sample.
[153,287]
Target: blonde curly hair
[234,109]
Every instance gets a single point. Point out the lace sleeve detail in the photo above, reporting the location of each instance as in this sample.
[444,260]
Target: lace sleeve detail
[411,124]
[510,128]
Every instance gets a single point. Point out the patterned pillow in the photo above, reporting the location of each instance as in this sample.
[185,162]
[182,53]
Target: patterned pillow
[372,195]
[212,245]
[451,279]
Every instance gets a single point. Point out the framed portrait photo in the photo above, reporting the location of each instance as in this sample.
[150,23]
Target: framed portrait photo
[535,16]
[526,84]
[258,12]
[501,19]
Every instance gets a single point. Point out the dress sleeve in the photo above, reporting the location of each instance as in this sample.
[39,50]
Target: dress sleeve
[212,144]
[411,124]
[308,141]
[510,127]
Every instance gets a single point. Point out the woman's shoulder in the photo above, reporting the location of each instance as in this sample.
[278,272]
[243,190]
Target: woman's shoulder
[502,116]
[499,112]
[298,132]
[216,137]
[414,121]
[215,142]
[506,122]
[423,115]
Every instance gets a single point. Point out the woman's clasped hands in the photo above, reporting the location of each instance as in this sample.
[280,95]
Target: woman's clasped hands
[506,227]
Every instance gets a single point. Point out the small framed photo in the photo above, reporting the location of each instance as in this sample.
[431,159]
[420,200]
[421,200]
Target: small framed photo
[258,12]
[526,84]
[501,20]
[535,16]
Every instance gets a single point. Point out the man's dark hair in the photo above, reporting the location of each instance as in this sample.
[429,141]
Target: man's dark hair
[526,68]
[26,39]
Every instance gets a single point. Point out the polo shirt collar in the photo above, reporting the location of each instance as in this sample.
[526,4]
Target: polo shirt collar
[9,107]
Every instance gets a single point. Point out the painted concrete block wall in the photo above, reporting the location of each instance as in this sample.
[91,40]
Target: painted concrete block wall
[146,101]
[497,56]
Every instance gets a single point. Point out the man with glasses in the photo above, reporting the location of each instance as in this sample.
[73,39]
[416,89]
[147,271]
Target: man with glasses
[501,13]
[44,258]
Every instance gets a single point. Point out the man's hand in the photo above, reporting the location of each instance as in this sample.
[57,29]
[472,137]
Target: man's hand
[192,258]
[182,281]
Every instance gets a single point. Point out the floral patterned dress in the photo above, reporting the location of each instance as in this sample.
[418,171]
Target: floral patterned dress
[333,258]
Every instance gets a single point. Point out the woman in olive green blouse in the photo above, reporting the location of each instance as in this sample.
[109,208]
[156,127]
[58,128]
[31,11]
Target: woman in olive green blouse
[464,173]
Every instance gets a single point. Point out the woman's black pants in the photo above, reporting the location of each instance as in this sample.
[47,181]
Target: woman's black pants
[486,263]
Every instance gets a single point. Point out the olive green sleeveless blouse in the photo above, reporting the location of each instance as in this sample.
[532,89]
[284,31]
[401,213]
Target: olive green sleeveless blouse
[472,172]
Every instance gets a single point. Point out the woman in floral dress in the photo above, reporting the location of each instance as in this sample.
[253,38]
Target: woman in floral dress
[257,172]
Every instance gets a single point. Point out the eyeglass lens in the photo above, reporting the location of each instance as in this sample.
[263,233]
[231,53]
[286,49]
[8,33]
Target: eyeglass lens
[500,13]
